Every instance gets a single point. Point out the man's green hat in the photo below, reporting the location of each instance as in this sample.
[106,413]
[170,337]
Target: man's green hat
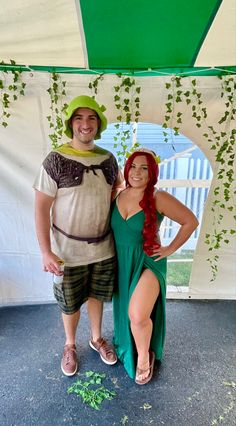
[84,102]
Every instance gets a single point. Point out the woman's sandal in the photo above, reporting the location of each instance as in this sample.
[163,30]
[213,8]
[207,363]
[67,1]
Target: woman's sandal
[140,371]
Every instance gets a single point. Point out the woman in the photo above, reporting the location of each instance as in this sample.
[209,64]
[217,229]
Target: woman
[139,302]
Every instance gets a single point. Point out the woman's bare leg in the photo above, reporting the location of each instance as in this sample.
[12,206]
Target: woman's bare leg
[140,309]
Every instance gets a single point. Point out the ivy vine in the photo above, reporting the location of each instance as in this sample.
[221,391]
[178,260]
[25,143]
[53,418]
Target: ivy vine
[173,97]
[57,93]
[93,85]
[127,103]
[222,141]
[10,92]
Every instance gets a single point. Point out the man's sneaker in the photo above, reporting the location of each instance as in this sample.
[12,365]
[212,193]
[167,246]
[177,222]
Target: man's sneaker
[69,363]
[106,352]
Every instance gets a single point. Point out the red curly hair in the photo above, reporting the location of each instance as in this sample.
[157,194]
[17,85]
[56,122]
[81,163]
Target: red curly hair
[147,203]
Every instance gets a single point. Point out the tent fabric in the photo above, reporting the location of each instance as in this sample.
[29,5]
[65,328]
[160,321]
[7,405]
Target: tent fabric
[41,33]
[110,37]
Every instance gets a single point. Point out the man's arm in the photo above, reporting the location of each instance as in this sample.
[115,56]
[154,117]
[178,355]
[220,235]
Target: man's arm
[43,204]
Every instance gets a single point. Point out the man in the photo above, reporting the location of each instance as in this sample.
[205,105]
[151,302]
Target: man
[72,210]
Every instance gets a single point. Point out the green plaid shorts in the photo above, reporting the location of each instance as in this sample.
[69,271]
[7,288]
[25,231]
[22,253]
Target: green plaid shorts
[81,282]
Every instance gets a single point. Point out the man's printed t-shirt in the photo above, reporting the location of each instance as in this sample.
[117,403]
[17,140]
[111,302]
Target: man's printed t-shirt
[81,183]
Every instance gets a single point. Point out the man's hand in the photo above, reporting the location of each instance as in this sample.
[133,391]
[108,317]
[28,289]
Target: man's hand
[51,263]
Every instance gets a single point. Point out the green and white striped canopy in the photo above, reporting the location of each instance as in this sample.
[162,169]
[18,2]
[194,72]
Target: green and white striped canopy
[141,37]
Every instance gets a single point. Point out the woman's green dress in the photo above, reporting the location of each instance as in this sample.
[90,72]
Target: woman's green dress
[131,262]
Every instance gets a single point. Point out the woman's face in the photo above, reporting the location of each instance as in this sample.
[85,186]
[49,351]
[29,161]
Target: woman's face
[138,173]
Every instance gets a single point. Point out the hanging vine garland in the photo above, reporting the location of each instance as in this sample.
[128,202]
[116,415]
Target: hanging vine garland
[127,102]
[173,97]
[224,146]
[222,142]
[57,93]
[10,92]
[94,84]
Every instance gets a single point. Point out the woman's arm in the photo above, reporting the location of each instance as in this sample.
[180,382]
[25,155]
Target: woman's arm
[172,208]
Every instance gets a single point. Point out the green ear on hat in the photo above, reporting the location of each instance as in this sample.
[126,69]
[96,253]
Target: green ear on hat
[84,102]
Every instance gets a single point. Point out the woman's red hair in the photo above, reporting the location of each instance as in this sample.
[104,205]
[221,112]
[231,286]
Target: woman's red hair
[147,203]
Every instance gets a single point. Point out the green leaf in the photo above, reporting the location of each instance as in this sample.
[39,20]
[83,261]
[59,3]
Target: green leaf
[146,406]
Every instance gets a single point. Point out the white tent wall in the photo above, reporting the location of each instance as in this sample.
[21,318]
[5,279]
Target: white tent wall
[25,143]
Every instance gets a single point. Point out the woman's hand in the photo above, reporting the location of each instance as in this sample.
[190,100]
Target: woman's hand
[162,252]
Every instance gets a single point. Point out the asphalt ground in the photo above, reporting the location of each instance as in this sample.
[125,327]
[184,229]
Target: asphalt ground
[195,385]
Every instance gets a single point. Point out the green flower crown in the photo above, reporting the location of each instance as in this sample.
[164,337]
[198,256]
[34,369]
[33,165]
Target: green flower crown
[157,158]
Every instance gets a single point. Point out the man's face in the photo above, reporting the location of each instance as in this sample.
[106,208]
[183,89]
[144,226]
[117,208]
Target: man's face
[85,124]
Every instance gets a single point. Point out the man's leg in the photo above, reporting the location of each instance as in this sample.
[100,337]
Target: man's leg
[70,323]
[69,363]
[101,289]
[95,311]
[97,342]
[70,296]
[102,277]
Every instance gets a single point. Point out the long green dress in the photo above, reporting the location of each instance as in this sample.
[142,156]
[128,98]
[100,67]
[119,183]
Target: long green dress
[131,262]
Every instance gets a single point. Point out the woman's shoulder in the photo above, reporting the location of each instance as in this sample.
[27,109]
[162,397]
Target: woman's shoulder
[160,197]
[117,193]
